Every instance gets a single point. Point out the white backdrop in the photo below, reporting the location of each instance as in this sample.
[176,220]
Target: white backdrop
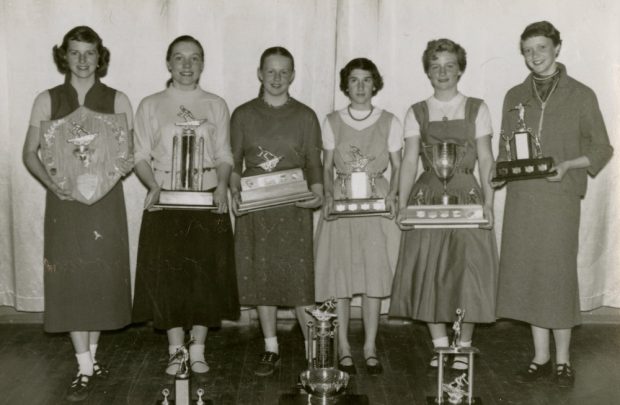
[322,35]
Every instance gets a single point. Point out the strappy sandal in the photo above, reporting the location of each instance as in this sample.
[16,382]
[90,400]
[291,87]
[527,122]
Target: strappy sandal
[100,371]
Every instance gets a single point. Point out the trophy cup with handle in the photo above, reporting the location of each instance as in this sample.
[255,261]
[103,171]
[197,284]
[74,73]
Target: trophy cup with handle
[460,389]
[186,174]
[524,155]
[446,211]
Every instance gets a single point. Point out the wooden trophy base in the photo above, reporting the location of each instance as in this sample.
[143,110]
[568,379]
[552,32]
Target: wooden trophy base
[359,207]
[271,190]
[524,169]
[185,200]
[304,399]
[445,216]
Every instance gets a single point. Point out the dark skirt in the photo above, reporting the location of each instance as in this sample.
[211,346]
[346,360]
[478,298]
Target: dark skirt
[440,270]
[274,255]
[538,265]
[86,264]
[185,274]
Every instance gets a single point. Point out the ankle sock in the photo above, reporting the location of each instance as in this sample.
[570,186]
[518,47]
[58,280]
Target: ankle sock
[441,342]
[197,358]
[85,363]
[271,344]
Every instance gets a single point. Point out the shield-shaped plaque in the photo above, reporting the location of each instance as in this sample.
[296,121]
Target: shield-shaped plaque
[81,152]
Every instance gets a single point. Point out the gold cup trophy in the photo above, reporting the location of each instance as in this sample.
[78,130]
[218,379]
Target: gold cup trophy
[525,159]
[445,211]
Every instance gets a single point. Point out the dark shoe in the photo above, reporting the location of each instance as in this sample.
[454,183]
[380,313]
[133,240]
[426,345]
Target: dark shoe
[78,391]
[534,372]
[565,375]
[100,371]
[267,364]
[373,369]
[347,368]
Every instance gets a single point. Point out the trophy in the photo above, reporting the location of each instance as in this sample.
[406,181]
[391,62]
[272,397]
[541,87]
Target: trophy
[445,211]
[272,189]
[81,152]
[524,153]
[186,173]
[358,189]
[460,390]
[323,382]
[182,382]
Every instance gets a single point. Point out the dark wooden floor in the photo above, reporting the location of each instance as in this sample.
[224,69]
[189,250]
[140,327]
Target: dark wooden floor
[36,368]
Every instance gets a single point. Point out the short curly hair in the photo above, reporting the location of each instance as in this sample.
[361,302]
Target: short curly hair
[83,34]
[542,29]
[363,64]
[443,45]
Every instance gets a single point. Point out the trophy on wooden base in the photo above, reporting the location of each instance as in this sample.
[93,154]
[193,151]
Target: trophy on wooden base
[323,382]
[273,189]
[460,390]
[186,173]
[82,152]
[524,154]
[358,190]
[445,211]
[182,395]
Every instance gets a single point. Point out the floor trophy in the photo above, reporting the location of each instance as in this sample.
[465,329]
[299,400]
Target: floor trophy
[323,382]
[274,188]
[461,389]
[445,211]
[82,152]
[182,393]
[525,159]
[186,174]
[358,190]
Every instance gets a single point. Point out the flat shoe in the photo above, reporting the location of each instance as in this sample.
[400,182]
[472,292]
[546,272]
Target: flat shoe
[80,386]
[198,366]
[373,369]
[535,372]
[460,363]
[565,376]
[267,364]
[347,368]
[100,371]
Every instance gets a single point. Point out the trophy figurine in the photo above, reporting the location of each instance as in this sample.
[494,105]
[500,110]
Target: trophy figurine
[358,191]
[460,390]
[524,155]
[445,211]
[274,188]
[186,174]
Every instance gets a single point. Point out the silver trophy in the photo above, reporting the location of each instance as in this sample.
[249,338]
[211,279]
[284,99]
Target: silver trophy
[460,390]
[322,380]
[445,158]
[186,173]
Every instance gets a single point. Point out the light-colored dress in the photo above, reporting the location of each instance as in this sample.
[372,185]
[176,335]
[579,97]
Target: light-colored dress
[358,255]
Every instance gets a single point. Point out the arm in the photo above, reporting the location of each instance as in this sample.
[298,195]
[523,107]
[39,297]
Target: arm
[485,165]
[223,159]
[145,174]
[236,144]
[328,181]
[392,197]
[408,172]
[314,168]
[143,144]
[34,165]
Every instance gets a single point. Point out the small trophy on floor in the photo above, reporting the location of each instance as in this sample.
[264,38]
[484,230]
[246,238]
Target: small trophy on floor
[461,389]
[358,189]
[525,158]
[186,174]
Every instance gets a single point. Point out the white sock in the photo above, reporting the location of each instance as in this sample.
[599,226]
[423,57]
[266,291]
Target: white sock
[93,351]
[196,352]
[172,367]
[85,363]
[271,344]
[465,344]
[172,349]
[441,342]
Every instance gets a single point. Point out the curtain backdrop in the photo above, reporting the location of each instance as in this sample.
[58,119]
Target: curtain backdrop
[322,35]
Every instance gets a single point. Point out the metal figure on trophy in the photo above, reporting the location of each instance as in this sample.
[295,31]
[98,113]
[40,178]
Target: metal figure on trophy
[358,189]
[445,210]
[182,395]
[524,156]
[460,390]
[187,168]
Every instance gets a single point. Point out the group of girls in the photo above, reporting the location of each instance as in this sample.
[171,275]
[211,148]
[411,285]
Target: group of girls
[192,272]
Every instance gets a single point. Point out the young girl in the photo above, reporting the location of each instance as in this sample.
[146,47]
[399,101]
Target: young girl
[273,247]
